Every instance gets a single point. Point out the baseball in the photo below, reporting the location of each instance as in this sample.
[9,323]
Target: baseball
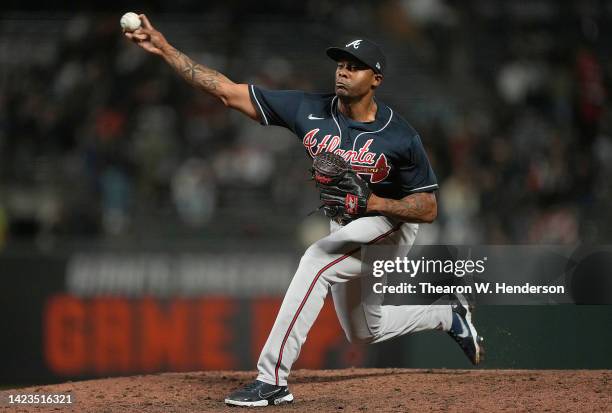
[130,22]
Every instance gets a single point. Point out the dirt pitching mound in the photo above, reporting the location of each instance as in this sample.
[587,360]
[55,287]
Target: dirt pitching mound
[352,390]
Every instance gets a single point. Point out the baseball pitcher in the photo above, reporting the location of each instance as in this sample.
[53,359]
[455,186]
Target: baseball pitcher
[375,184]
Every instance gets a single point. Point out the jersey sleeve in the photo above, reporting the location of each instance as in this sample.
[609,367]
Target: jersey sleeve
[276,107]
[416,174]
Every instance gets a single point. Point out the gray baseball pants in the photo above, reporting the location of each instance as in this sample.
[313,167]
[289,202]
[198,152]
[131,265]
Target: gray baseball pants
[334,262]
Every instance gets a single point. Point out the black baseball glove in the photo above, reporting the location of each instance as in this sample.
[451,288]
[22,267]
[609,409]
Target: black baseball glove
[343,193]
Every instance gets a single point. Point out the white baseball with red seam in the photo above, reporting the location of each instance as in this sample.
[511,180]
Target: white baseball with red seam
[130,22]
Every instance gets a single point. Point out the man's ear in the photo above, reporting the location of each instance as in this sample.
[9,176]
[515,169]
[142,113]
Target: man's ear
[378,78]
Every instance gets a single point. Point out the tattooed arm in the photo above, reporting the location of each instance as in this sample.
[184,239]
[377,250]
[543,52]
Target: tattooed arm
[419,207]
[233,95]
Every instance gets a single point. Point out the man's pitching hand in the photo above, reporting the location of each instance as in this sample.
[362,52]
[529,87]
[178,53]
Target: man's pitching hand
[148,38]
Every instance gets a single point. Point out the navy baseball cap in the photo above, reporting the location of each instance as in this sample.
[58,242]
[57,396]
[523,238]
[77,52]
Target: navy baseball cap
[364,50]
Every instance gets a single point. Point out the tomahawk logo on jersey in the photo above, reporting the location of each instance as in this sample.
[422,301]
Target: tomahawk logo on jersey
[387,153]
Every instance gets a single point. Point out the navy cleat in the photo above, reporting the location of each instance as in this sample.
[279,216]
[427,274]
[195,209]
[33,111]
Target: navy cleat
[259,393]
[464,332]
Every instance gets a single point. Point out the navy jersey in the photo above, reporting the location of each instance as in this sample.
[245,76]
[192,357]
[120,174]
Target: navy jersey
[387,153]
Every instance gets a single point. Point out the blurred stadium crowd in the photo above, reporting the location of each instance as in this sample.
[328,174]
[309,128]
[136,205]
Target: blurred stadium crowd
[100,141]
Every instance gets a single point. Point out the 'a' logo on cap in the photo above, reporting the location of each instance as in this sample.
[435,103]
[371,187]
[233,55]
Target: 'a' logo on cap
[354,43]
[378,65]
